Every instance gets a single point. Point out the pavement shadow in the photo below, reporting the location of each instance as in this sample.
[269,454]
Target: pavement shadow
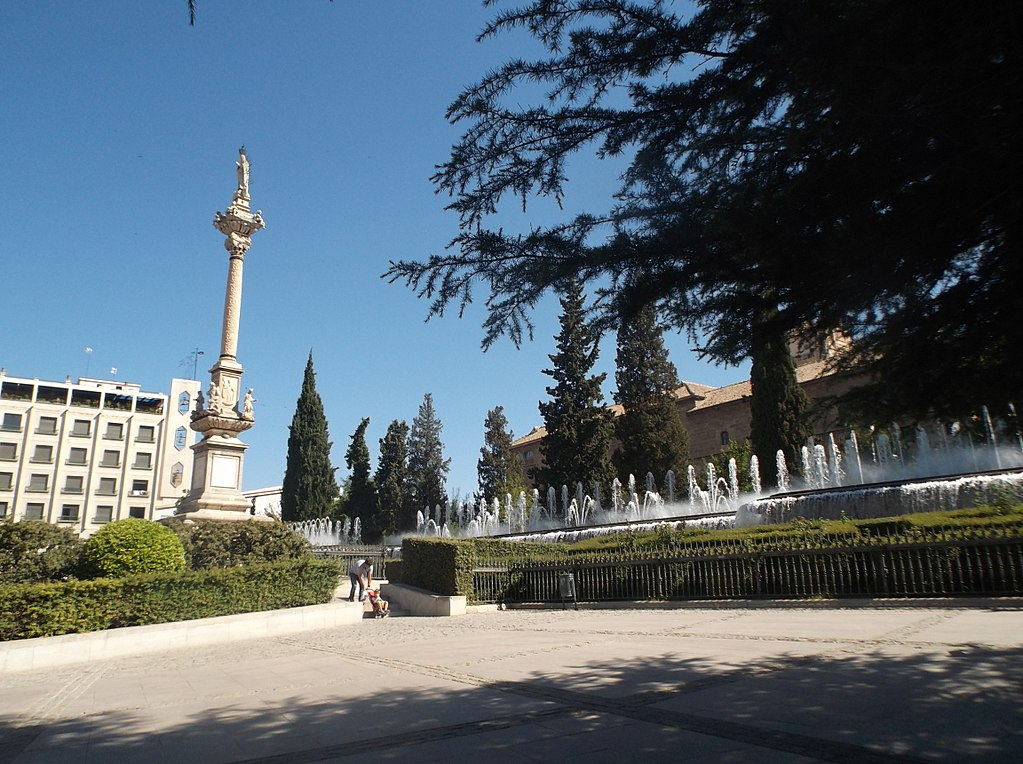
[952,705]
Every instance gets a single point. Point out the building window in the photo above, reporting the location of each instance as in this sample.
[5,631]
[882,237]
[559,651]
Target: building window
[33,511]
[180,438]
[104,514]
[43,455]
[184,403]
[38,483]
[4,508]
[81,428]
[147,434]
[137,512]
[724,438]
[115,431]
[47,425]
[143,461]
[6,481]
[68,513]
[11,422]
[73,484]
[77,456]
[110,459]
[107,486]
[177,474]
[8,452]
[139,487]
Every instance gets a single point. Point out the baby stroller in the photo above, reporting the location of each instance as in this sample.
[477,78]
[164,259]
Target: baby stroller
[380,607]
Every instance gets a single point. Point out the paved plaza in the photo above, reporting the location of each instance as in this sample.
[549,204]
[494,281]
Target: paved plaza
[705,684]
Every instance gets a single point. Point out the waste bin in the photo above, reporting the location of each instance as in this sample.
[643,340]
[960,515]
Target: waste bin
[566,587]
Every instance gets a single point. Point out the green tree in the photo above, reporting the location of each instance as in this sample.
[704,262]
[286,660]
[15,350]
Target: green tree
[393,497]
[427,467]
[309,489]
[842,164]
[361,499]
[779,407]
[651,432]
[577,446]
[499,469]
[741,451]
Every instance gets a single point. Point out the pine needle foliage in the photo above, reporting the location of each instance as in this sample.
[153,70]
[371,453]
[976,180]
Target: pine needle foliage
[847,164]
[577,446]
[393,500]
[779,407]
[499,469]
[361,498]
[651,432]
[309,490]
[427,467]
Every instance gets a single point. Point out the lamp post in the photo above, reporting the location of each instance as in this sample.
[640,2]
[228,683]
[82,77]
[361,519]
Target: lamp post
[195,361]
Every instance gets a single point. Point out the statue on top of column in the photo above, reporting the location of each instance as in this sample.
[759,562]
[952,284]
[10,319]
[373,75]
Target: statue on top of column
[243,173]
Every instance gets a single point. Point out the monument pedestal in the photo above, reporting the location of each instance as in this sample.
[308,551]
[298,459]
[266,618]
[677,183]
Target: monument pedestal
[216,482]
[217,469]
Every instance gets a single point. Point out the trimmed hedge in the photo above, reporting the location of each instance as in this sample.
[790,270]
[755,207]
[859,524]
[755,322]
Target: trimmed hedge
[212,544]
[37,551]
[444,565]
[45,610]
[131,547]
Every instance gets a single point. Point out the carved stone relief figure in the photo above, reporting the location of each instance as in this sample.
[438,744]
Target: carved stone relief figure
[214,398]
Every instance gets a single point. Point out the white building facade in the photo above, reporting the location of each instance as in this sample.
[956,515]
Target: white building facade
[87,453]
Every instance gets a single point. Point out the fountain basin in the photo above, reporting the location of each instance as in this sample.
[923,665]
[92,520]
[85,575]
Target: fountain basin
[888,499]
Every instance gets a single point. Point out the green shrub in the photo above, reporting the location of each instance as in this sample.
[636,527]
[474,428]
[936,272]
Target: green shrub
[36,551]
[229,544]
[131,547]
[44,610]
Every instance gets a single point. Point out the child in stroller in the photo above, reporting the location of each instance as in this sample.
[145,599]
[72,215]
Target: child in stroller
[380,607]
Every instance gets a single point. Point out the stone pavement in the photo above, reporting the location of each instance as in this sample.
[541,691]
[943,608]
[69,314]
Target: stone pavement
[727,683]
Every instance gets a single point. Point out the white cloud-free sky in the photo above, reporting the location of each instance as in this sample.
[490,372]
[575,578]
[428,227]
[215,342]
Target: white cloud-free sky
[119,130]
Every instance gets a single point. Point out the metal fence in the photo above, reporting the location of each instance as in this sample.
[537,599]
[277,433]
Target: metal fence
[349,553]
[939,562]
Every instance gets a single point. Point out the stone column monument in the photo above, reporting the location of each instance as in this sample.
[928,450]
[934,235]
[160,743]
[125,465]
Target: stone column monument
[224,413]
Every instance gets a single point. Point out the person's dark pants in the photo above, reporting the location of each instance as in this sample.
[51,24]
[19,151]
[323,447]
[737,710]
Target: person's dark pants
[356,581]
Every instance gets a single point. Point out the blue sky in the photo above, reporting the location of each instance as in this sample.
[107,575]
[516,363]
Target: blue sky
[119,132]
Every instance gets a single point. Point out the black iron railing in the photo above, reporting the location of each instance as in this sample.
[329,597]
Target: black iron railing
[349,553]
[939,562]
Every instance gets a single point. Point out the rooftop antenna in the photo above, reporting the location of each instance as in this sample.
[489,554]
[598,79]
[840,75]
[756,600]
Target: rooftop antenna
[192,358]
[88,359]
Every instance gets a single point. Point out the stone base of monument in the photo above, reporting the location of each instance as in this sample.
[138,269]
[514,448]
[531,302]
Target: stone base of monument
[216,483]
[218,515]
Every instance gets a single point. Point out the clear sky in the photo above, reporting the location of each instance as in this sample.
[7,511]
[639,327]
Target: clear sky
[119,129]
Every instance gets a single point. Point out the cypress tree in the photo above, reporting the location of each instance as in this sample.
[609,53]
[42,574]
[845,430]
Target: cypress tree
[779,407]
[392,481]
[361,501]
[651,431]
[309,489]
[427,466]
[499,469]
[577,445]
